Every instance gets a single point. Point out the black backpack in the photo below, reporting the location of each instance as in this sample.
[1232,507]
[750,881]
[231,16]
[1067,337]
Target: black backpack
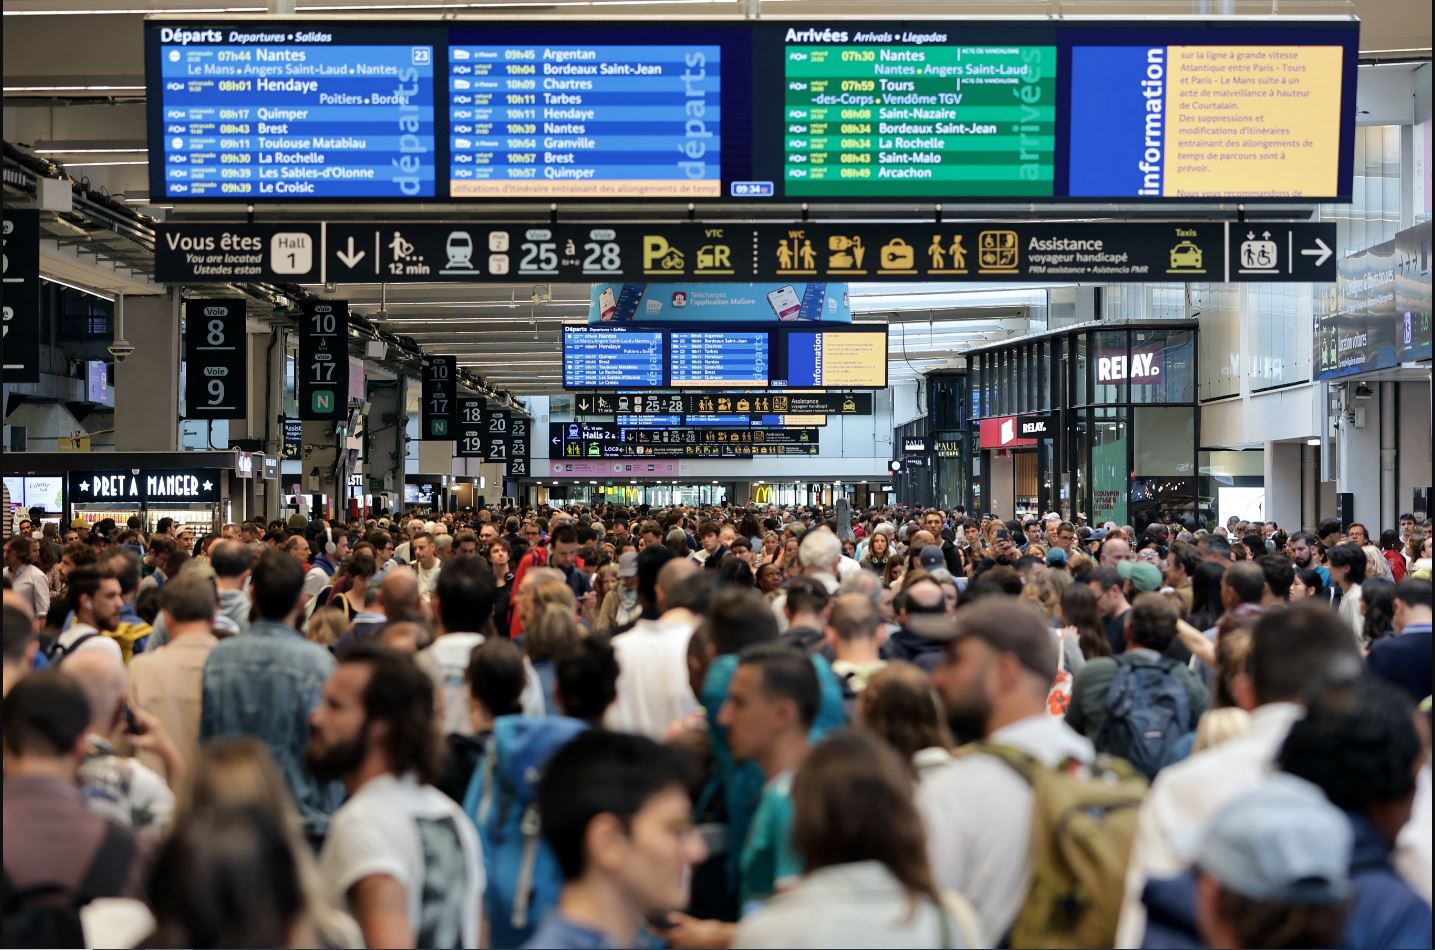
[48,915]
[56,653]
[1147,715]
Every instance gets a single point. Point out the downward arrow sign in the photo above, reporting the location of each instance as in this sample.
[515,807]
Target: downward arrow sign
[352,258]
[1321,252]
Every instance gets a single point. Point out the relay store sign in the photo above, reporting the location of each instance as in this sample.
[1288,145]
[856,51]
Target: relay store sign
[144,486]
[1002,432]
[1140,366]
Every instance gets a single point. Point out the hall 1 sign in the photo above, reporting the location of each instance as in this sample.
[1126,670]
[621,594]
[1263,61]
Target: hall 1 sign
[143,486]
[323,371]
[216,360]
[468,440]
[22,296]
[439,398]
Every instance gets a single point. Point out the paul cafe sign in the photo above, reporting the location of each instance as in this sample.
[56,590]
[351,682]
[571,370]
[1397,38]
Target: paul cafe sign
[143,486]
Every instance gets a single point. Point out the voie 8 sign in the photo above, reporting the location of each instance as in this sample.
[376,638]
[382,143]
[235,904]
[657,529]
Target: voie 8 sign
[215,358]
[323,371]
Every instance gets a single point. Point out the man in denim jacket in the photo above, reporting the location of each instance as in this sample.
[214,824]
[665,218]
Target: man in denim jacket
[264,683]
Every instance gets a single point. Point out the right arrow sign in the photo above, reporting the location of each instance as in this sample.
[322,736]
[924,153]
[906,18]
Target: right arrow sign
[1262,251]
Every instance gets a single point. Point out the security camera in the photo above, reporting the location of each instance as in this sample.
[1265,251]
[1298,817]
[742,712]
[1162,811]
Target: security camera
[120,350]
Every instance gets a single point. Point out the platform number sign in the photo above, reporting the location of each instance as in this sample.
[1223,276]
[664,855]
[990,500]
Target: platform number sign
[519,428]
[439,398]
[323,371]
[468,443]
[21,295]
[215,360]
[496,423]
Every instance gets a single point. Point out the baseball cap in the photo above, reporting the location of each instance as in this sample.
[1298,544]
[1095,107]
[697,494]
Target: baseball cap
[1144,577]
[1282,841]
[931,558]
[1056,556]
[1098,535]
[628,564]
[1009,625]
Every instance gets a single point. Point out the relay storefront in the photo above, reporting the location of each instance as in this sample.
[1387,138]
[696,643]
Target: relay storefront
[1096,421]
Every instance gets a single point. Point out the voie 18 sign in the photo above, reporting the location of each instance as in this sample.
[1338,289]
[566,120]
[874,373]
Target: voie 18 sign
[216,360]
[323,371]
[468,441]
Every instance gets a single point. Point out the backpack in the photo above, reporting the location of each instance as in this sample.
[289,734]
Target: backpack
[56,652]
[48,915]
[1147,714]
[1083,824]
[522,873]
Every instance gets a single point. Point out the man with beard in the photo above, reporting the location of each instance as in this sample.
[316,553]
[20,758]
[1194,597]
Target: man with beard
[994,679]
[97,600]
[400,854]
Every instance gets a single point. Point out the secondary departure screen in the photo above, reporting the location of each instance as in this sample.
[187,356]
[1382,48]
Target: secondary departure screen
[707,111]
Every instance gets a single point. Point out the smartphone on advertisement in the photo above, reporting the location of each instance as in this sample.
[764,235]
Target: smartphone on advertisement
[785,303]
[607,305]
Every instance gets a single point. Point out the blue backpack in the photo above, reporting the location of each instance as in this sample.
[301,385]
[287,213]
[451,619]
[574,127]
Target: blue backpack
[1148,713]
[523,876]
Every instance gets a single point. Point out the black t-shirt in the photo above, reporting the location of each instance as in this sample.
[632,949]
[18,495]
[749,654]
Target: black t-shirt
[1116,632]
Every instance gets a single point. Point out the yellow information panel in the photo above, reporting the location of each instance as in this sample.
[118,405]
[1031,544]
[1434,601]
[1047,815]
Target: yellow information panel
[1266,110]
[858,360]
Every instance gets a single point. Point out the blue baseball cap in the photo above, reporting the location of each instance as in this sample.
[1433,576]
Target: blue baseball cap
[1282,841]
[1056,556]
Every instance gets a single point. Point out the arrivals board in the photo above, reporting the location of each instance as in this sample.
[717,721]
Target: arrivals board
[548,110]
[260,112]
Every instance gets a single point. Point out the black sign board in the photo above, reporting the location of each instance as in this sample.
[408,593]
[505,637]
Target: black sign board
[949,448]
[143,486]
[439,398]
[293,439]
[468,441]
[603,440]
[323,370]
[497,424]
[216,360]
[22,296]
[916,445]
[694,404]
[214,253]
[519,443]
[1036,427]
[896,251]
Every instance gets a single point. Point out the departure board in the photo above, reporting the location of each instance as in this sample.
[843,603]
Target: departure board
[610,358]
[259,113]
[718,358]
[585,121]
[883,118]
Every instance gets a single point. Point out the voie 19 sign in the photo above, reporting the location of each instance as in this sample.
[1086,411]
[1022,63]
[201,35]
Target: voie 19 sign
[468,441]
[215,358]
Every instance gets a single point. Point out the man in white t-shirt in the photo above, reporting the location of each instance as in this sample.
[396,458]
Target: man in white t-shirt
[97,600]
[653,687]
[463,604]
[400,855]
[426,563]
[994,680]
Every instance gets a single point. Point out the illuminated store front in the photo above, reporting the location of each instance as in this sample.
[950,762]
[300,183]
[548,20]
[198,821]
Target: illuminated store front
[1097,421]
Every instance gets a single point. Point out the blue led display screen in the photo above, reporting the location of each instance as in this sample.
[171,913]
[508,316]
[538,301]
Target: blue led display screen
[718,358]
[260,113]
[608,358]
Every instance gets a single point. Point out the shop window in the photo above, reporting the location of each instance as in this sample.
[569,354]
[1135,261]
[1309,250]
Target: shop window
[1110,366]
[1165,499]
[1165,441]
[1162,366]
[1108,466]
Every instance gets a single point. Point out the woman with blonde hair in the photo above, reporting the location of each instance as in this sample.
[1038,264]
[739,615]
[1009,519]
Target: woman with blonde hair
[553,632]
[326,626]
[239,772]
[605,581]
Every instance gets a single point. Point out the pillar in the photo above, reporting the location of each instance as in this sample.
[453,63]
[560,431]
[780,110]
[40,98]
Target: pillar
[385,439]
[321,451]
[147,382]
[1284,474]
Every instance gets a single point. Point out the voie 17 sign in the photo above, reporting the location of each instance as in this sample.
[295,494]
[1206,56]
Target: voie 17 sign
[323,372]
[437,404]
[216,360]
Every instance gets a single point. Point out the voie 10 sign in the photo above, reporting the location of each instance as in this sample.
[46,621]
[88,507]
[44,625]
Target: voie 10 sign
[323,371]
[215,360]
[438,398]
[810,110]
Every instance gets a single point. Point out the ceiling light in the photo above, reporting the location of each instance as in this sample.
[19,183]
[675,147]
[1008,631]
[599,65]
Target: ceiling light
[1312,441]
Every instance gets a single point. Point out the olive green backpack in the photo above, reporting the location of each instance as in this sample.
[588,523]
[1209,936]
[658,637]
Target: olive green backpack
[1083,825]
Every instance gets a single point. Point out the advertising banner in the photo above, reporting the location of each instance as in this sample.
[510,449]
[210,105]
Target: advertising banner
[1356,334]
[719,303]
